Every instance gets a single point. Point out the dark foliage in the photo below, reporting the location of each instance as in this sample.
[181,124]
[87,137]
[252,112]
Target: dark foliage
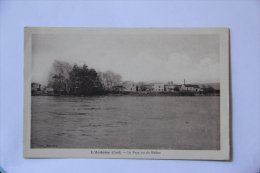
[85,81]
[176,89]
[208,90]
[68,80]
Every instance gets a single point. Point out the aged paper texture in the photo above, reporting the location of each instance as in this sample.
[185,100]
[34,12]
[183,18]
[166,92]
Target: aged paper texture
[144,93]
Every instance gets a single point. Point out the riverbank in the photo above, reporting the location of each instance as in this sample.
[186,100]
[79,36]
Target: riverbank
[133,94]
[156,94]
[43,94]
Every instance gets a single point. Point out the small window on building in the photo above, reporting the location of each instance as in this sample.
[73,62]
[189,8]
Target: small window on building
[131,89]
[133,84]
[158,89]
[159,86]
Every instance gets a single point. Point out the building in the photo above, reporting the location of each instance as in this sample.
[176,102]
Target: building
[149,87]
[187,87]
[177,88]
[169,87]
[158,87]
[129,86]
[196,88]
[172,88]
[35,87]
[190,87]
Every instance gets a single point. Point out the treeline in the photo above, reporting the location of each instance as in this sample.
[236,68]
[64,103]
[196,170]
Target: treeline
[81,80]
[208,90]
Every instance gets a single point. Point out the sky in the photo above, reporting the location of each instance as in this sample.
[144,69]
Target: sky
[138,58]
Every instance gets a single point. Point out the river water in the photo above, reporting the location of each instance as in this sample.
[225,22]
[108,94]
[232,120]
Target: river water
[126,122]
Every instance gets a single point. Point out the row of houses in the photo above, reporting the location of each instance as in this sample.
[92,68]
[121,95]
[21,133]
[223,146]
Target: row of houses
[130,86]
[160,87]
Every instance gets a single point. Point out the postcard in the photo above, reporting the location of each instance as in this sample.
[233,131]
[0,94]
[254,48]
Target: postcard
[138,93]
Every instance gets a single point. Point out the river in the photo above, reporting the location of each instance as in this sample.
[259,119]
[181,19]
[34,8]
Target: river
[126,122]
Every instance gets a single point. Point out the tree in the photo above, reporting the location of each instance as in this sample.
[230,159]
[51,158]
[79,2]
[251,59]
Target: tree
[208,90]
[59,76]
[142,86]
[64,77]
[85,81]
[176,89]
[110,79]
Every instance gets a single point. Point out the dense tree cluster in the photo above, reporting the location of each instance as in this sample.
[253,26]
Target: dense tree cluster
[208,90]
[68,79]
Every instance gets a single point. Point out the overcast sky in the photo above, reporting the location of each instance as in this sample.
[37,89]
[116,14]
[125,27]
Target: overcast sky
[147,58]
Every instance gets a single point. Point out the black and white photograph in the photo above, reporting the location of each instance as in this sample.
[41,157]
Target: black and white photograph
[155,93]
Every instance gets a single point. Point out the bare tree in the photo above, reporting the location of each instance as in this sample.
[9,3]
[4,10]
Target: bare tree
[59,76]
[110,79]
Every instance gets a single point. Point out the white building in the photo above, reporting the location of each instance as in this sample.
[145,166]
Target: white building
[187,87]
[129,86]
[159,87]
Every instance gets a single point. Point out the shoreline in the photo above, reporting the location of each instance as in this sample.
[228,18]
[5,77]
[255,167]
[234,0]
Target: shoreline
[134,94]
